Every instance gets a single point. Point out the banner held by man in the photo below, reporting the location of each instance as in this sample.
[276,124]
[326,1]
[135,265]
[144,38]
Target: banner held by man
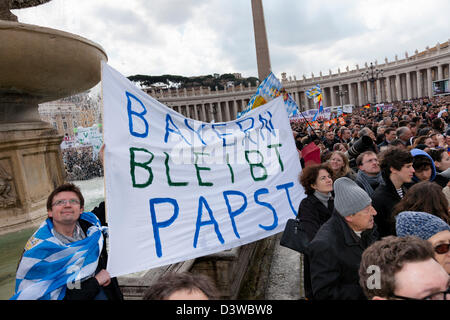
[177,188]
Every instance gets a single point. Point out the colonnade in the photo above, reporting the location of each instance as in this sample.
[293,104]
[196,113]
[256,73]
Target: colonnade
[219,111]
[402,79]
[390,87]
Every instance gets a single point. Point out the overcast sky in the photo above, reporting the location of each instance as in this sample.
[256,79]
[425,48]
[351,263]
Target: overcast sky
[200,37]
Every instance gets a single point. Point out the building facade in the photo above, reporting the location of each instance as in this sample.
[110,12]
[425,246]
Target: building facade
[402,79]
[69,113]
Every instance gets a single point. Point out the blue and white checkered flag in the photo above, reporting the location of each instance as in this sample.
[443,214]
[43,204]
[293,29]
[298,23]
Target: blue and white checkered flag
[313,92]
[48,266]
[268,90]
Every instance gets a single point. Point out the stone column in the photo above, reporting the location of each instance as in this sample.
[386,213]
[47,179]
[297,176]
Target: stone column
[408,86]
[297,101]
[243,104]
[227,111]
[234,107]
[304,101]
[369,91]
[388,89]
[325,98]
[440,72]
[419,83]
[429,83]
[211,112]
[379,93]
[360,94]
[218,115]
[333,96]
[398,88]
[197,111]
[341,99]
[200,112]
[351,93]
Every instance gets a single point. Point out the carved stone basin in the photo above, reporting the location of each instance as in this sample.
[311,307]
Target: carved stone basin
[40,64]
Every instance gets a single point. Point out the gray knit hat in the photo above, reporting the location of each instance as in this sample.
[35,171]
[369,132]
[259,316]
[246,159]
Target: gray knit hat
[349,198]
[419,224]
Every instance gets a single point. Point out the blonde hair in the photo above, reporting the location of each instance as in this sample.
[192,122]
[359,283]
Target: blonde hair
[345,168]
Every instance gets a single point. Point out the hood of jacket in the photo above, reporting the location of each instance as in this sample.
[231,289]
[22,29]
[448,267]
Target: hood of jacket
[418,152]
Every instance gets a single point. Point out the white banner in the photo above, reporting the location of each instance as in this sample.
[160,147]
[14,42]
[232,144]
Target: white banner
[89,136]
[348,108]
[177,188]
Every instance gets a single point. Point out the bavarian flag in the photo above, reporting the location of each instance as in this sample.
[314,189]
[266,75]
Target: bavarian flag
[268,90]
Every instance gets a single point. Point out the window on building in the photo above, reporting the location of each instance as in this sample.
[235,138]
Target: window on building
[65,125]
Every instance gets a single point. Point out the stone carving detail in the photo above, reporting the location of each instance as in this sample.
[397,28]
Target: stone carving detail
[6,5]
[7,194]
[19,4]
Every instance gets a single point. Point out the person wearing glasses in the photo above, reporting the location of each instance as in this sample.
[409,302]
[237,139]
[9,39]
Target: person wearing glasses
[369,172]
[427,227]
[402,268]
[66,257]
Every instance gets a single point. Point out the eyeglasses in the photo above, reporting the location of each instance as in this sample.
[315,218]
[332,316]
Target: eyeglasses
[72,202]
[441,248]
[441,295]
[371,160]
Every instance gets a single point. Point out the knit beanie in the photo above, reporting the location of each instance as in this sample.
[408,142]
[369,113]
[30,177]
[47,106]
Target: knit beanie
[419,224]
[349,198]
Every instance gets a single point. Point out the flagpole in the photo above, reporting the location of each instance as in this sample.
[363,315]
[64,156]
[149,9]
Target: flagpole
[307,122]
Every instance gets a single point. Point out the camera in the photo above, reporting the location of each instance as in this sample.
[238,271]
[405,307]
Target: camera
[364,143]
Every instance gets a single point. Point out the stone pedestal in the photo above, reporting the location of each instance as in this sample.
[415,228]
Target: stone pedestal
[37,65]
[238,273]
[30,168]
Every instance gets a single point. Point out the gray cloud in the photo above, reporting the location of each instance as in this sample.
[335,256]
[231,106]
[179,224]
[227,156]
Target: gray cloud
[173,12]
[190,37]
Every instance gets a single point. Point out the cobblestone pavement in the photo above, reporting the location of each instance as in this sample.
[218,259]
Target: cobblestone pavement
[285,278]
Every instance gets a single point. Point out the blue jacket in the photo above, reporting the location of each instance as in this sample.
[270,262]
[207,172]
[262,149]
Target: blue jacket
[418,152]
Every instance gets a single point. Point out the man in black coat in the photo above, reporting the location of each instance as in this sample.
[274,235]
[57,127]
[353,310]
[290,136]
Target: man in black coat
[336,250]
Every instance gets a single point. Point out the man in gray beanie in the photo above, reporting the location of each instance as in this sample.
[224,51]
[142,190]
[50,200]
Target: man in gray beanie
[336,250]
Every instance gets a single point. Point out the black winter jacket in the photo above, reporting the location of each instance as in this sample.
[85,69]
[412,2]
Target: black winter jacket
[335,255]
[90,287]
[384,198]
[312,215]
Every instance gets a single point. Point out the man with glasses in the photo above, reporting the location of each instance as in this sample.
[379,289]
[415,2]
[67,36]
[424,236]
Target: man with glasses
[402,268]
[66,257]
[369,174]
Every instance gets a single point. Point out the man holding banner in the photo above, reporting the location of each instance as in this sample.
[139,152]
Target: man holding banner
[66,257]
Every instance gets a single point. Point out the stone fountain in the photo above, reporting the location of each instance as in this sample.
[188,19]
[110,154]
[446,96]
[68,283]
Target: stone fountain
[37,65]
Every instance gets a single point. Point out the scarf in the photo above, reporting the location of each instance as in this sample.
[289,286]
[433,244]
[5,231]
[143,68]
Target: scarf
[48,266]
[367,181]
[323,197]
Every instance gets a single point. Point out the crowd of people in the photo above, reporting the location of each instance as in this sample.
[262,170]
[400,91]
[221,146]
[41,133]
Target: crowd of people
[79,164]
[376,211]
[375,218]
